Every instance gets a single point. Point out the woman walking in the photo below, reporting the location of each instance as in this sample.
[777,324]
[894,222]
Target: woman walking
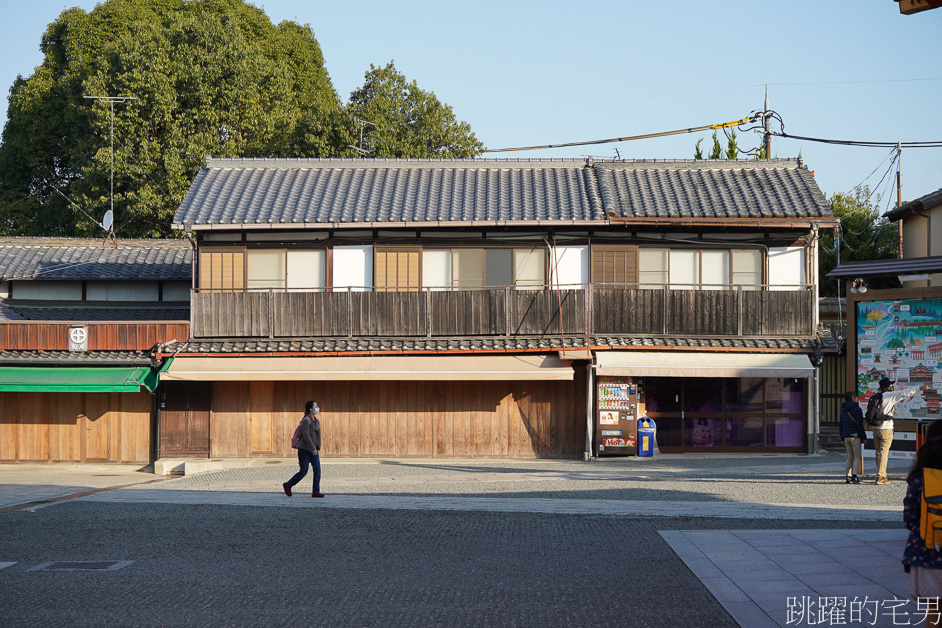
[854,436]
[923,564]
[309,446]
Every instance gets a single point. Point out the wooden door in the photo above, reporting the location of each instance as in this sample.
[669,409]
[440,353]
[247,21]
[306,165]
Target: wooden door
[184,429]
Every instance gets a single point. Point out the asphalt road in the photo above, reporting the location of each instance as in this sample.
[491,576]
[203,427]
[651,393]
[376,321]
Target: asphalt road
[200,564]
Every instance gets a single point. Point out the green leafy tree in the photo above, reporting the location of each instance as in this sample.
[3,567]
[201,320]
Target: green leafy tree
[697,151]
[864,235]
[732,147]
[214,77]
[402,120]
[717,151]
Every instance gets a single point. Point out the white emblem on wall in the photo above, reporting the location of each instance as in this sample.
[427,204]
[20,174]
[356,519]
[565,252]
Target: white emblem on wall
[78,338]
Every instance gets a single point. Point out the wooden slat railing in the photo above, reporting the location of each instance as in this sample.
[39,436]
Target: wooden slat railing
[595,310]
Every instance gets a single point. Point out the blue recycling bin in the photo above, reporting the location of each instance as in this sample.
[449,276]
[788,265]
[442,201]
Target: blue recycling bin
[646,433]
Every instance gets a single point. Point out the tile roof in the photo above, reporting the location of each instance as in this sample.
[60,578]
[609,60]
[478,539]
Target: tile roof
[82,258]
[352,192]
[95,358]
[888,267]
[114,312]
[8,314]
[711,189]
[927,201]
[443,345]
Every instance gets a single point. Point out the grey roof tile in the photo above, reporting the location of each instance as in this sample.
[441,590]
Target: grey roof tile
[444,345]
[8,314]
[376,191]
[341,191]
[95,358]
[81,258]
[75,313]
[711,189]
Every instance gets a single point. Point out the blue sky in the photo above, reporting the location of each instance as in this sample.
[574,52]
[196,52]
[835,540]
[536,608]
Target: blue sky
[527,72]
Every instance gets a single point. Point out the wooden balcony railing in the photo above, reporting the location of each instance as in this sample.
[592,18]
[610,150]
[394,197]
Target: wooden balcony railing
[592,310]
[46,336]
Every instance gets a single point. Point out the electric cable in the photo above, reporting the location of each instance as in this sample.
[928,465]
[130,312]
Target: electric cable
[707,127]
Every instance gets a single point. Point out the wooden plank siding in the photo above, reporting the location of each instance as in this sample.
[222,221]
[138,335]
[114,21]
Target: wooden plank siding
[402,419]
[505,311]
[75,427]
[45,336]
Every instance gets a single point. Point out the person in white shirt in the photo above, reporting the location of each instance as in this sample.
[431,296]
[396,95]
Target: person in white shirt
[883,436]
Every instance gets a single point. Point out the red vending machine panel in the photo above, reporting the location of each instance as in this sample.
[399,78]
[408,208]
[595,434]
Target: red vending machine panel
[617,427]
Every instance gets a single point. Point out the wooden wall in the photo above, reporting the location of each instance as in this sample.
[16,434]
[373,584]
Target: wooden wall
[46,336]
[76,427]
[403,419]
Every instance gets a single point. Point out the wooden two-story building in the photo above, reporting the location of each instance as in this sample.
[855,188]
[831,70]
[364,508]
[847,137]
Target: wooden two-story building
[79,325]
[479,308]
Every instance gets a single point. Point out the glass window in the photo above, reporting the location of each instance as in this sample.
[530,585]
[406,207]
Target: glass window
[703,432]
[662,394]
[265,269]
[529,268]
[468,268]
[786,268]
[122,291]
[222,270]
[652,267]
[702,395]
[747,268]
[669,432]
[176,291]
[785,395]
[784,432]
[48,290]
[499,267]
[436,269]
[684,269]
[307,271]
[744,431]
[744,395]
[714,272]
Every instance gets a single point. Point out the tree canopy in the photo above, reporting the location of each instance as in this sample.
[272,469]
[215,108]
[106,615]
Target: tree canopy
[402,120]
[208,78]
[863,235]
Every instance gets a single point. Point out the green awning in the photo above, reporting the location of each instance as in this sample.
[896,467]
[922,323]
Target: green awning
[76,379]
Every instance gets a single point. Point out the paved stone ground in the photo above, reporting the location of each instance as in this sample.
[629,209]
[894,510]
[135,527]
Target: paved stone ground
[229,548]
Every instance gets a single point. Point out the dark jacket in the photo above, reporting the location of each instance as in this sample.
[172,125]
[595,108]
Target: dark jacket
[310,435]
[916,553]
[852,421]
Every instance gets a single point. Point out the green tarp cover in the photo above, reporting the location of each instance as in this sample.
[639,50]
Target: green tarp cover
[76,379]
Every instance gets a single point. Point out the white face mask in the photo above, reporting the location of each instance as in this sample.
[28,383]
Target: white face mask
[316,410]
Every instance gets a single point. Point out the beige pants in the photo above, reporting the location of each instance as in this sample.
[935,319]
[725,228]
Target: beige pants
[881,446]
[854,463]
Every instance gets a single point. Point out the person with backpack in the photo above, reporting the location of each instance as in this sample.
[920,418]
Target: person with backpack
[922,558]
[307,440]
[853,436]
[880,419]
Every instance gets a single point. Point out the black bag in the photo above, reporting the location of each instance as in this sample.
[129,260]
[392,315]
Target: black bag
[875,415]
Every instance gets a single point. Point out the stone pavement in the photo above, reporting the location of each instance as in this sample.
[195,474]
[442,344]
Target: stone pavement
[769,577]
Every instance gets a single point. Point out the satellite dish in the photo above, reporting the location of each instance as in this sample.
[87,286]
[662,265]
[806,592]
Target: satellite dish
[107,221]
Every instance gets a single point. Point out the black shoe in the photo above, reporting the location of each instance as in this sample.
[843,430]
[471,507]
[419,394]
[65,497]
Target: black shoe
[847,480]
[855,479]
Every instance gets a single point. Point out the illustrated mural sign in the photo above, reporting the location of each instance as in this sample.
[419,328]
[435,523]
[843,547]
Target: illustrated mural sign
[901,340]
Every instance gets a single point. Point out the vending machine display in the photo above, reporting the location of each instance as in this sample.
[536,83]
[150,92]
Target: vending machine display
[618,411]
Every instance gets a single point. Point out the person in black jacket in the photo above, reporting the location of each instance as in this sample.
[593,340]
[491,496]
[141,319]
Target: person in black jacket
[853,435]
[309,447]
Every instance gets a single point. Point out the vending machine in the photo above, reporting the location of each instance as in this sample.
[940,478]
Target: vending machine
[618,412]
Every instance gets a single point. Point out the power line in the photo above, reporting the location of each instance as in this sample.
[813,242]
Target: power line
[707,127]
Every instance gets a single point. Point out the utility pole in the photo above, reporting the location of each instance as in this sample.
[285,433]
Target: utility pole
[899,194]
[111,100]
[765,121]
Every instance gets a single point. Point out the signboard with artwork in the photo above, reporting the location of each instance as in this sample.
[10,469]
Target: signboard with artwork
[901,340]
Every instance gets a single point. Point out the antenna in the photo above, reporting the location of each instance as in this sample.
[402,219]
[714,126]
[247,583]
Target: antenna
[359,148]
[109,215]
[765,123]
